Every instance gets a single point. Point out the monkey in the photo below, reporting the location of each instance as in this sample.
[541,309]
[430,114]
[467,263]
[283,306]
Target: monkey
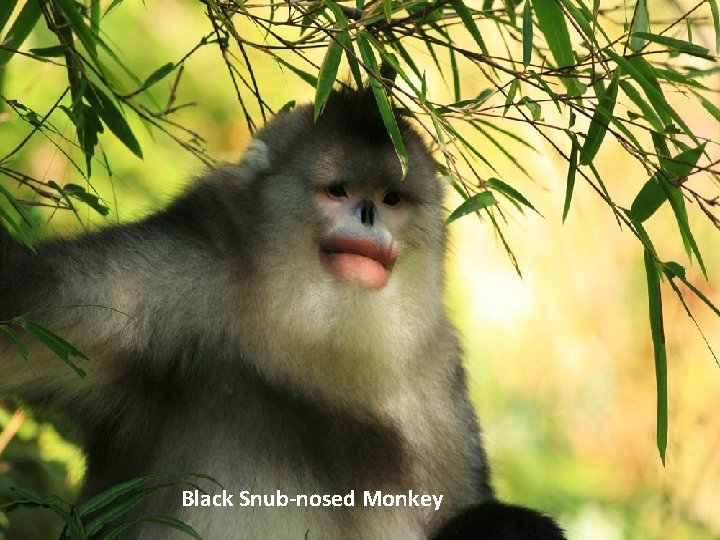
[278,327]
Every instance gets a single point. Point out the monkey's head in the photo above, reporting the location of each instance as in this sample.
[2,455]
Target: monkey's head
[340,182]
[351,252]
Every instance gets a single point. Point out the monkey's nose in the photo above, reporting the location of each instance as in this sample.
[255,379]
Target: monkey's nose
[367,213]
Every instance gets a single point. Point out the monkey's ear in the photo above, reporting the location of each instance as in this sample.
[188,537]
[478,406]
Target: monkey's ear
[257,156]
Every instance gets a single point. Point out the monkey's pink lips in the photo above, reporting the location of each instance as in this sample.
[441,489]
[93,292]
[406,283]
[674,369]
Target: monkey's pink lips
[357,260]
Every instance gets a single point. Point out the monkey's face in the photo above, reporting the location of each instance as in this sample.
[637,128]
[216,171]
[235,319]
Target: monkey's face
[358,245]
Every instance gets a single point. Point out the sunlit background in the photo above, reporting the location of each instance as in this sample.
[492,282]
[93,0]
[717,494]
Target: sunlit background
[559,360]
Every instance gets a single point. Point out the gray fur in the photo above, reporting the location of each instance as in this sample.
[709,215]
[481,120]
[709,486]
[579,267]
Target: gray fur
[218,345]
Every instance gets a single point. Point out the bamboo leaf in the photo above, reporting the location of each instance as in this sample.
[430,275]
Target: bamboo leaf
[716,23]
[304,75]
[681,217]
[62,349]
[511,94]
[477,202]
[327,76]
[92,200]
[682,165]
[81,30]
[500,147]
[113,118]
[677,44]
[644,74]
[19,345]
[462,10]
[6,9]
[641,23]
[383,102]
[551,21]
[352,58]
[650,197]
[510,192]
[709,107]
[647,111]
[24,23]
[158,75]
[166,521]
[527,33]
[115,492]
[676,270]
[600,121]
[658,339]
[49,52]
[570,182]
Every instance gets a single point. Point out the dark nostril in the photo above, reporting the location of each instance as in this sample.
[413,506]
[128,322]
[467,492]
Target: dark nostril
[367,213]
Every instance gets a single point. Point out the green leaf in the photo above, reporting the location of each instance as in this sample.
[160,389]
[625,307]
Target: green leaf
[383,102]
[641,23]
[510,192]
[49,52]
[681,217]
[601,119]
[6,9]
[496,143]
[387,9]
[477,202]
[113,118]
[716,23]
[166,521]
[87,125]
[533,106]
[462,10]
[352,58]
[709,107]
[648,200]
[92,200]
[527,33]
[678,45]
[676,270]
[327,75]
[514,85]
[77,23]
[106,497]
[584,20]
[551,21]
[455,74]
[658,339]
[640,70]
[10,333]
[158,75]
[304,75]
[24,23]
[647,111]
[55,343]
[570,182]
[682,165]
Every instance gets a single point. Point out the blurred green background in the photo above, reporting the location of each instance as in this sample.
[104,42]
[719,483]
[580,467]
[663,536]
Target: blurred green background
[560,362]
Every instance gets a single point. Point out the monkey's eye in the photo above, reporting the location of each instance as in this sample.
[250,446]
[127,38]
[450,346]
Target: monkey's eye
[392,198]
[336,191]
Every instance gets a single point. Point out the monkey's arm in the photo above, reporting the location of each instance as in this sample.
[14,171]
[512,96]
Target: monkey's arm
[129,297]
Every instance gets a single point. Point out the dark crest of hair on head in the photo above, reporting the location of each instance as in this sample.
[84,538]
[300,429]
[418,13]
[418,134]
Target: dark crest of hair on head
[359,113]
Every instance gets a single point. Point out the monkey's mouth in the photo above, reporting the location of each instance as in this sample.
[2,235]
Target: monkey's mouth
[358,260]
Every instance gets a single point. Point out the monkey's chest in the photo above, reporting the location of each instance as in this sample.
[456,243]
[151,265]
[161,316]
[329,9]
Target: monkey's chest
[289,468]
